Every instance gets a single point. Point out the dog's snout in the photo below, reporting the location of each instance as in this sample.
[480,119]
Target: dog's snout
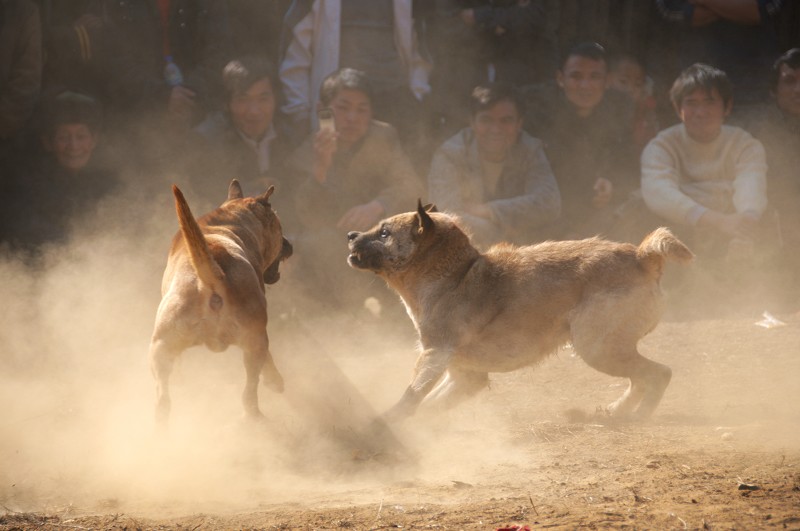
[352,235]
[286,249]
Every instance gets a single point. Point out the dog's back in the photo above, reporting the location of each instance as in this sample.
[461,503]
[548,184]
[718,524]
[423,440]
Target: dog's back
[528,299]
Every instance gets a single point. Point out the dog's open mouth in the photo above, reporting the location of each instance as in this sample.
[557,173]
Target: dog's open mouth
[355,260]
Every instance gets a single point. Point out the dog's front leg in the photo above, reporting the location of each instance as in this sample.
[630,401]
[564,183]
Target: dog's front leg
[253,362]
[431,365]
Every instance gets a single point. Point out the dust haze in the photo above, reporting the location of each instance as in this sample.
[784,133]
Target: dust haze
[77,397]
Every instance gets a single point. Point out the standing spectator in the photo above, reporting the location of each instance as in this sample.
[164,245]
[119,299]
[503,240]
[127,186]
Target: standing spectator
[155,64]
[348,179]
[739,38]
[588,140]
[20,75]
[241,141]
[494,175]
[255,27]
[63,185]
[377,37]
[704,178]
[75,38]
[475,42]
[151,34]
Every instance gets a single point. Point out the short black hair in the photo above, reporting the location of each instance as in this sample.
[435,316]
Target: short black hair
[486,96]
[588,49]
[791,59]
[344,78]
[701,76]
[241,74]
[71,108]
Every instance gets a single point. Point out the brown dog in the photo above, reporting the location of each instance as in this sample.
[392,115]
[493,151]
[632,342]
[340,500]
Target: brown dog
[512,306]
[213,290]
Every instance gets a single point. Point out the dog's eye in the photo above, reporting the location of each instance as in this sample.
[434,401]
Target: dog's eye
[384,233]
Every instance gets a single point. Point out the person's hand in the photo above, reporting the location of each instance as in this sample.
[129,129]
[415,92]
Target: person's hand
[324,148]
[479,210]
[746,226]
[733,225]
[361,217]
[181,104]
[603,191]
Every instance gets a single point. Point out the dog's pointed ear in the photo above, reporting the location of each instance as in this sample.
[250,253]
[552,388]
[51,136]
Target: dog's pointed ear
[423,219]
[264,198]
[430,207]
[234,190]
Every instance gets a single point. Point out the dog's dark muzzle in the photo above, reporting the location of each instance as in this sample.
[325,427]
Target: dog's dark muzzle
[360,257]
[272,274]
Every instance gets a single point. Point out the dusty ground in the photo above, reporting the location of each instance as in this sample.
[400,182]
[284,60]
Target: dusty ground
[722,452]
[78,449]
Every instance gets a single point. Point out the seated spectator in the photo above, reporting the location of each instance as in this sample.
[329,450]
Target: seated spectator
[704,178]
[779,131]
[587,134]
[241,140]
[349,178]
[627,75]
[493,175]
[67,182]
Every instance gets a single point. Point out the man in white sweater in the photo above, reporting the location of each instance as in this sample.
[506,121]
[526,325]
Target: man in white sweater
[707,179]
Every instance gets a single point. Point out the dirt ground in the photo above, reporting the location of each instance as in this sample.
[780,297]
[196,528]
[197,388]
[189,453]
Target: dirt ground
[722,452]
[78,448]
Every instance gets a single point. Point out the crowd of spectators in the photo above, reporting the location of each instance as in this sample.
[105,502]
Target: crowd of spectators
[530,119]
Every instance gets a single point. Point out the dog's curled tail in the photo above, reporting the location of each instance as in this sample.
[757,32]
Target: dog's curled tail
[208,270]
[659,246]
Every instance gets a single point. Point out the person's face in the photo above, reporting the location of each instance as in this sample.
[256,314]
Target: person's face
[584,82]
[787,92]
[497,129]
[703,113]
[628,77]
[252,110]
[72,145]
[352,114]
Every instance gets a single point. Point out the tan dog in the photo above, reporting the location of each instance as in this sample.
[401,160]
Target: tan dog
[512,306]
[213,290]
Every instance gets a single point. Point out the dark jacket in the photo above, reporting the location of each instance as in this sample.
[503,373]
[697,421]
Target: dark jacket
[198,43]
[583,149]
[45,201]
[221,154]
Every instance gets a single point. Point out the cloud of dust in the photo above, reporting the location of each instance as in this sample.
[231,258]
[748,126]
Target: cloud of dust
[77,397]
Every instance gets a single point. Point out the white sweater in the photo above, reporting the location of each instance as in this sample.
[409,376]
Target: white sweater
[683,178]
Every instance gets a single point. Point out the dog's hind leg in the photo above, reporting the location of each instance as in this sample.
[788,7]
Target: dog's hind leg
[648,379]
[605,335]
[455,387]
[162,358]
